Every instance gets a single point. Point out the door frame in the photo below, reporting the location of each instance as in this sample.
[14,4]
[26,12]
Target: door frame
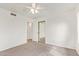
[39,29]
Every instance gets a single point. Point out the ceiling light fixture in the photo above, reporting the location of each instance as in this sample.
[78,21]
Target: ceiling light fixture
[34,8]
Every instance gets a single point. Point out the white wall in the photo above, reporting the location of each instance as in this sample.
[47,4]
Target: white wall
[61,26]
[62,30]
[12,30]
[77,46]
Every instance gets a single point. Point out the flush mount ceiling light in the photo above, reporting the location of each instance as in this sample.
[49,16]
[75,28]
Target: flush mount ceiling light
[34,8]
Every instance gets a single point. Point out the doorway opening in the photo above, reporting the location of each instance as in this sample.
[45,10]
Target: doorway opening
[41,31]
[29,31]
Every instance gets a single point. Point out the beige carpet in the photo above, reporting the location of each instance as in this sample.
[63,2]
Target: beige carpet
[38,49]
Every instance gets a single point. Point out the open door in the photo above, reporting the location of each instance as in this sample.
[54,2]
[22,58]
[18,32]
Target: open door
[41,31]
[29,31]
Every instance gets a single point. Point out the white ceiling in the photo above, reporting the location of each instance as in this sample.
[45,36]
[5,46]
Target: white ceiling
[20,8]
[48,8]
